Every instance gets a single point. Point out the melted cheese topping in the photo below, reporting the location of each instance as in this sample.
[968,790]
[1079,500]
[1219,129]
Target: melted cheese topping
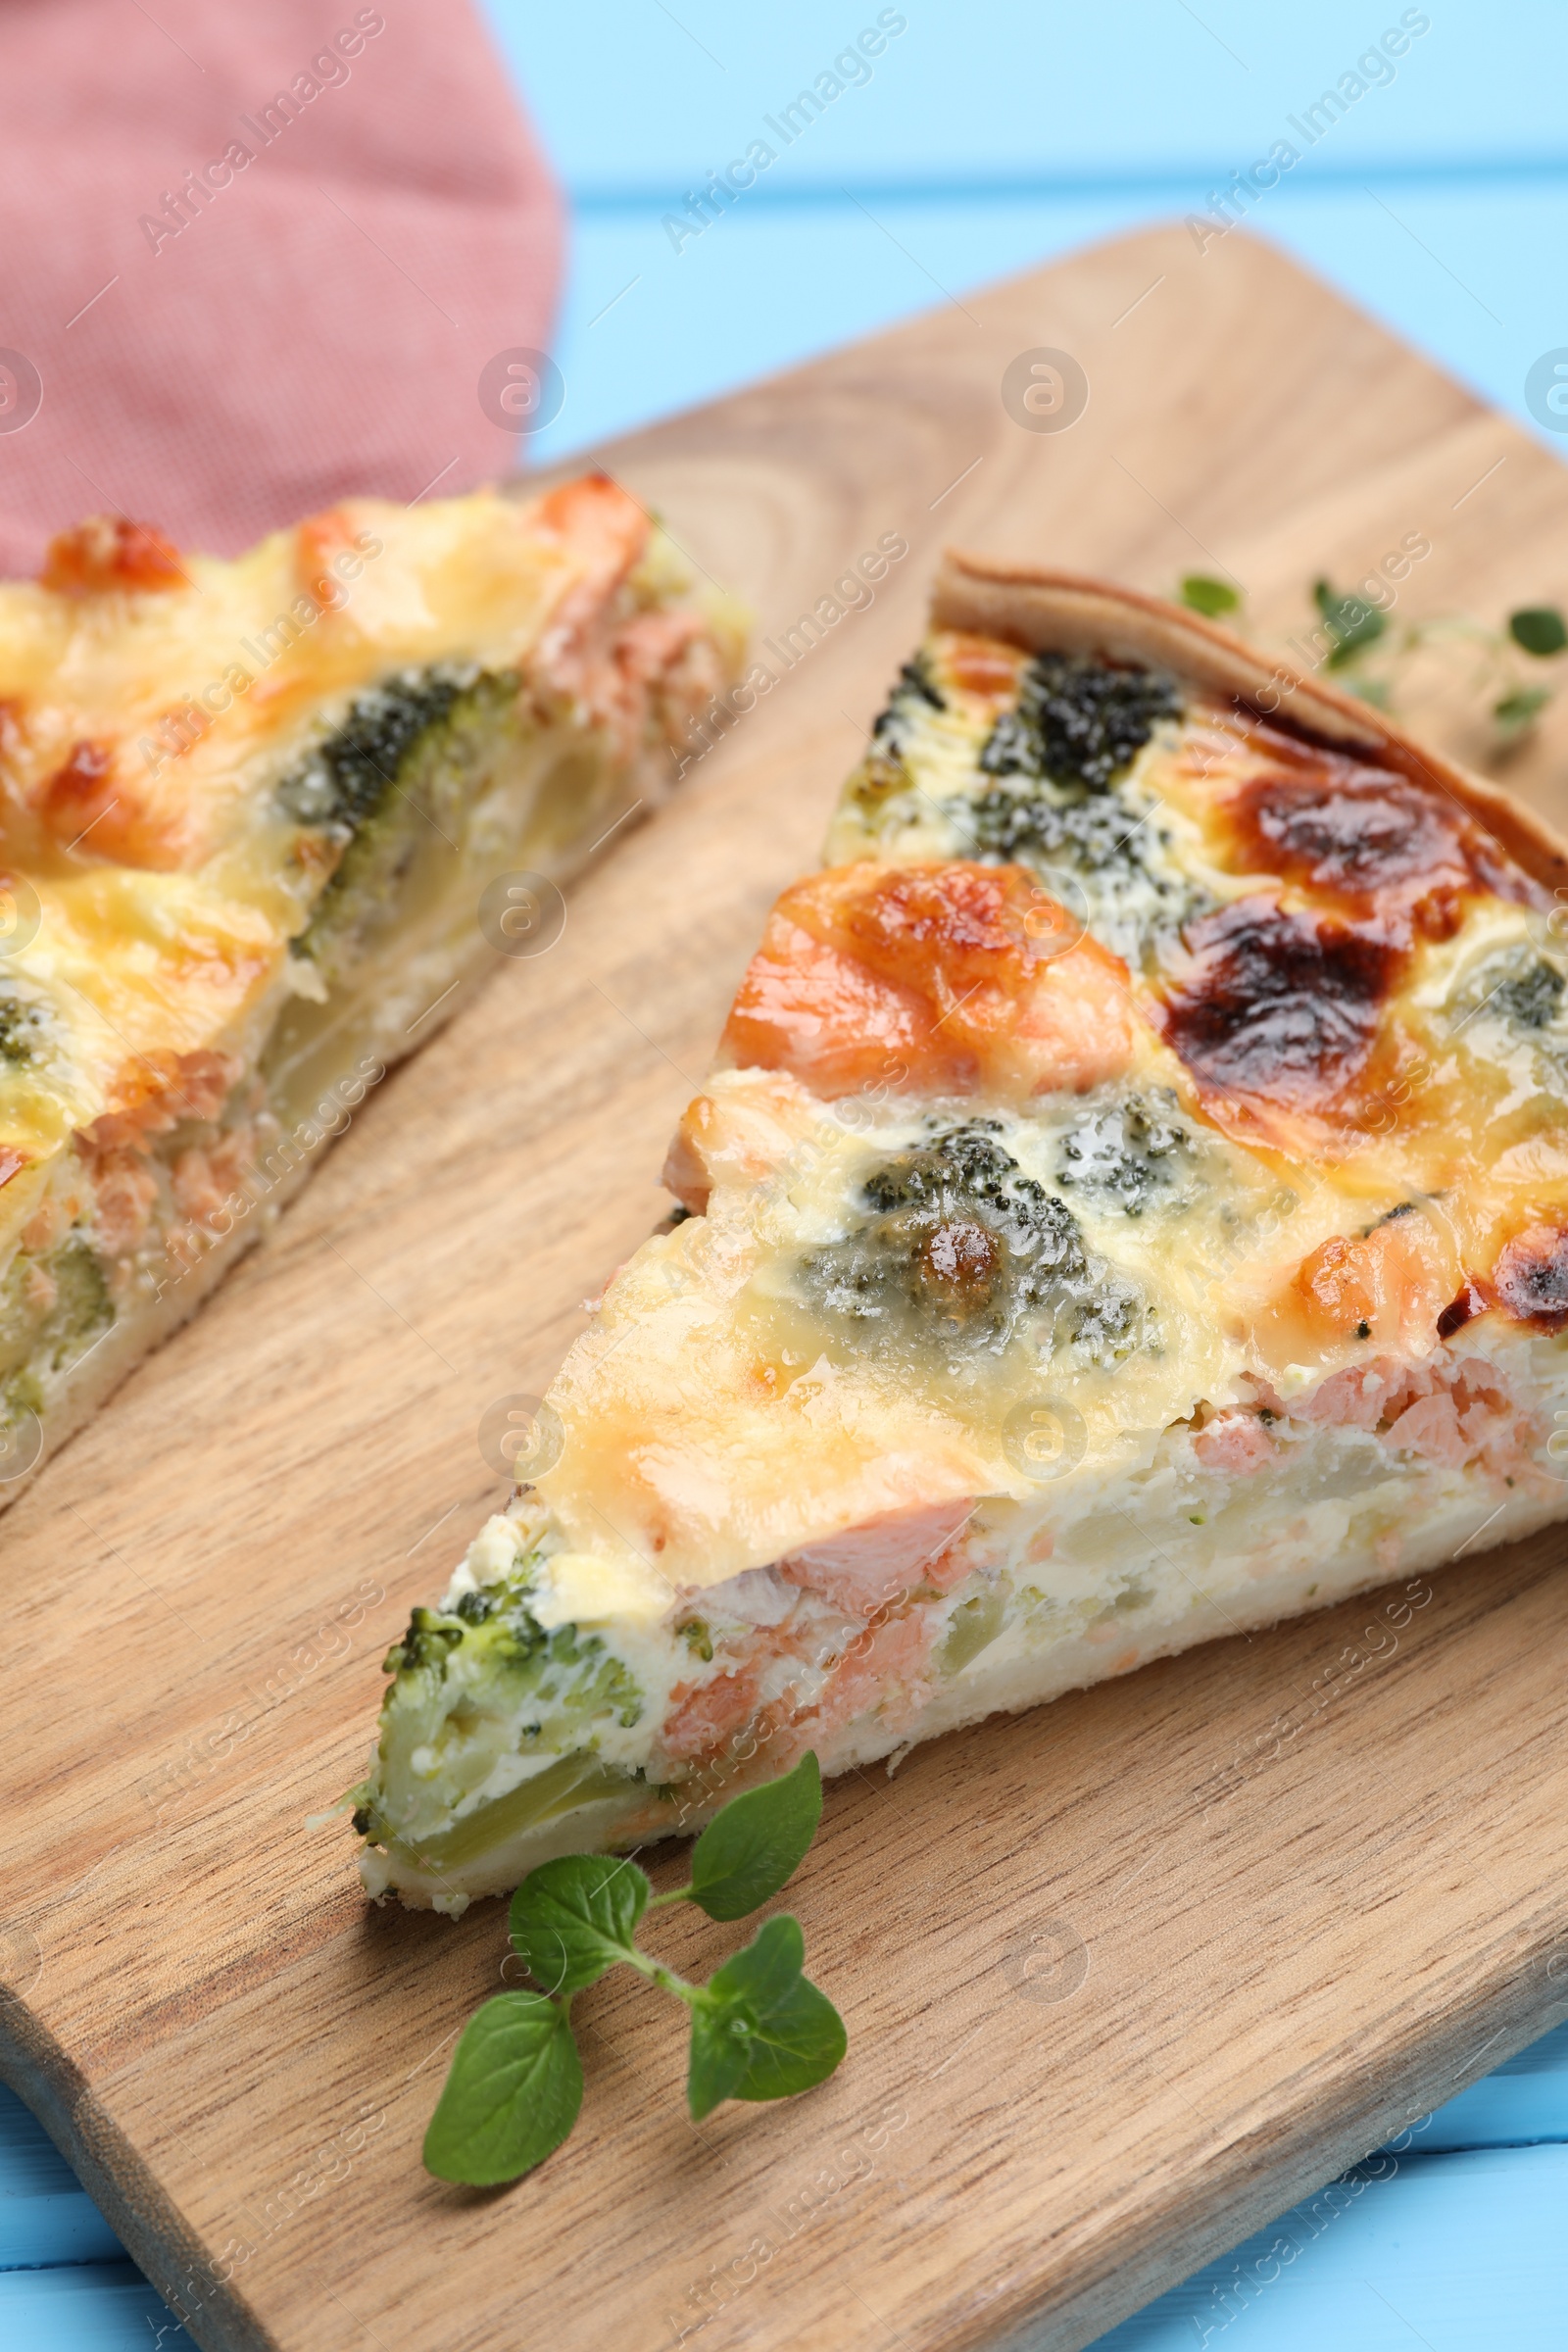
[718,1418]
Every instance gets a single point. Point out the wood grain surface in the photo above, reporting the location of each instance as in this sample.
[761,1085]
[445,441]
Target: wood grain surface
[1122,1977]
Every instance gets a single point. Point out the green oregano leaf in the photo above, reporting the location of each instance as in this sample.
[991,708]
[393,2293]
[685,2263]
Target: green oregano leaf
[722,2043]
[1209,596]
[799,2044]
[759,2029]
[756,1843]
[513,2093]
[574,1918]
[1540,629]
[1515,711]
[1352,622]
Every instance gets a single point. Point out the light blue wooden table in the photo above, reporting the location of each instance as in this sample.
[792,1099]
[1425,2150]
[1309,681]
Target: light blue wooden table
[988,138]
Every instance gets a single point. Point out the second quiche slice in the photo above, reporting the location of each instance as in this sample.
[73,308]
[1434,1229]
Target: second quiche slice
[1129,1204]
[249,812]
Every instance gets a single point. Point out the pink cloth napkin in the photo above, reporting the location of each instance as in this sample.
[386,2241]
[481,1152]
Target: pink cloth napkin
[255,259]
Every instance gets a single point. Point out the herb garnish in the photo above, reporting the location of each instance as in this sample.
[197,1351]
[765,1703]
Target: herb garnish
[760,2030]
[1353,626]
[1350,621]
[1538,630]
[1513,704]
[1210,597]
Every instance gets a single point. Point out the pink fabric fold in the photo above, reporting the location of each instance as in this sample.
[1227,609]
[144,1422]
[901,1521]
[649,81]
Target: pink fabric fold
[256,259]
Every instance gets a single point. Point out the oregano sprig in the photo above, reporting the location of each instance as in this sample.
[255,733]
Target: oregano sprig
[759,2029]
[1514,699]
[1358,646]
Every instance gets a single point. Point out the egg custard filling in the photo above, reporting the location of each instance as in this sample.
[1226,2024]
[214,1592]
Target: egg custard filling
[249,812]
[1129,1205]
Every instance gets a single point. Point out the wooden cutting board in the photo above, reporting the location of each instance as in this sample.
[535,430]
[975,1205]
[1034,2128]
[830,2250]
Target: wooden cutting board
[1123,1977]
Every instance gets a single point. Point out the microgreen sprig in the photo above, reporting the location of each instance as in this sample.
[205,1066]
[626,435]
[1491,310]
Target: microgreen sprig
[1369,656]
[1513,700]
[759,2029]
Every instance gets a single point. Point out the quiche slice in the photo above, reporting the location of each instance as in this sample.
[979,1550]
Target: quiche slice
[1129,1205]
[249,812]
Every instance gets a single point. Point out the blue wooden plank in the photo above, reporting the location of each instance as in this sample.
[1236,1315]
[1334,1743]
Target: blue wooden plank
[648,330]
[37,2232]
[1467,272]
[45,2214]
[1448,2251]
[1068,150]
[649,97]
[1525,2099]
[93,2307]
[31,2165]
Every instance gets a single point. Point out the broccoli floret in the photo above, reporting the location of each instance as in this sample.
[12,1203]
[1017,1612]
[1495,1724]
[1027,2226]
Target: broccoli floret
[38,1343]
[427,1643]
[962,1247]
[1054,794]
[25,1025]
[1530,1001]
[1013,820]
[897,722]
[1516,986]
[566,1672]
[393,787]
[1124,1154]
[478,1691]
[1079,722]
[347,777]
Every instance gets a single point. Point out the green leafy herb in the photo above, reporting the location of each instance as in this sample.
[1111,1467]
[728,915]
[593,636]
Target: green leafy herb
[1208,597]
[573,1919]
[513,2093]
[1538,630]
[760,2030]
[1352,622]
[1353,626]
[1517,710]
[758,1843]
